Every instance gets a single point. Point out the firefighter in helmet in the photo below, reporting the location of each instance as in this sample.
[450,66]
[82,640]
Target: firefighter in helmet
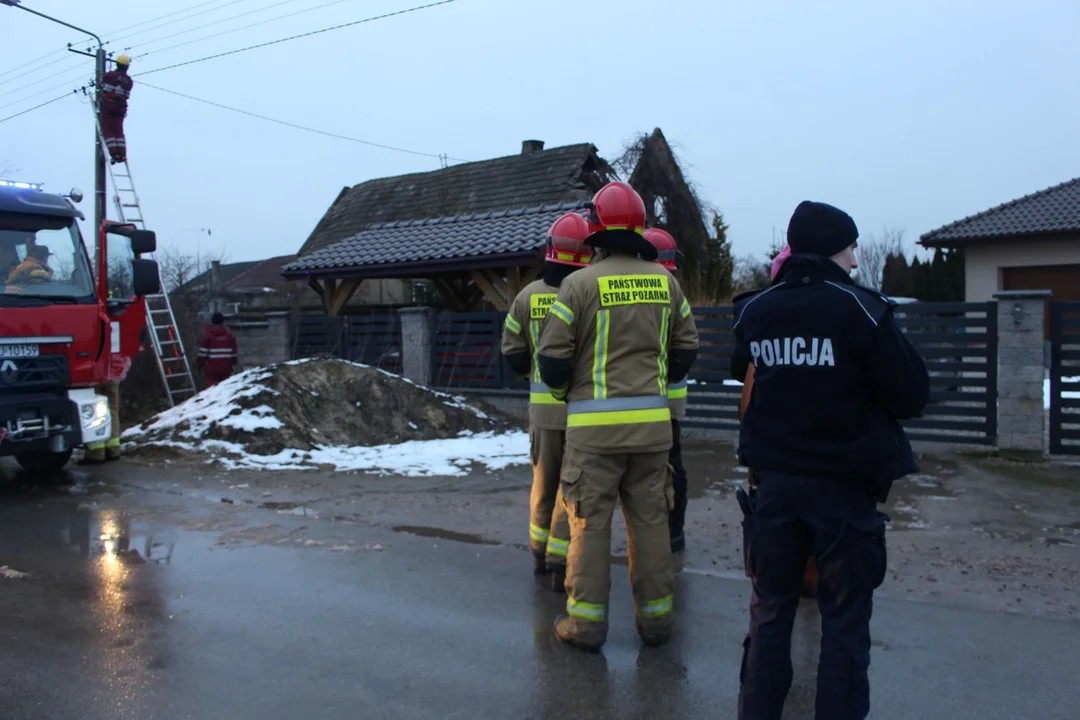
[549,531]
[115,92]
[618,333]
[667,255]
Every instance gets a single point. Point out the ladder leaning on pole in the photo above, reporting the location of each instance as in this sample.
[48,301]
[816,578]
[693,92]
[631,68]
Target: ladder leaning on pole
[160,320]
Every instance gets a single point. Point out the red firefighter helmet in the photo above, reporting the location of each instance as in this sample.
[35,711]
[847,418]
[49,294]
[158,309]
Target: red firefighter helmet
[617,218]
[666,248]
[566,241]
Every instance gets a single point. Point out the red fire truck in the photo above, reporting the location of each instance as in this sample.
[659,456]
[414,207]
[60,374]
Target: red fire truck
[64,330]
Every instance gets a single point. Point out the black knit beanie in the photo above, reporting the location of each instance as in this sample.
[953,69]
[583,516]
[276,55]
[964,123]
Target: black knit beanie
[817,228]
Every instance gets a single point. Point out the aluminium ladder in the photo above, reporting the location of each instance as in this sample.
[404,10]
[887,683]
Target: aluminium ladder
[172,362]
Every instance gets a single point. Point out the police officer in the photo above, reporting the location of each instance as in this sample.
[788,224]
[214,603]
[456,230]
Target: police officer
[618,333]
[667,255]
[549,530]
[833,375]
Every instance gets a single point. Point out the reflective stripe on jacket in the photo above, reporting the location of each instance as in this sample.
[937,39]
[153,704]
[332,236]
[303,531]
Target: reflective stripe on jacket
[521,333]
[616,321]
[217,351]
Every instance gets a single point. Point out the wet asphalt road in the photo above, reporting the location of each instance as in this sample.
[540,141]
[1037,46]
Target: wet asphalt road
[127,613]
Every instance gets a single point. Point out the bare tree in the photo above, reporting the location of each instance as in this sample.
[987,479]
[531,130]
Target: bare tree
[6,169]
[874,251]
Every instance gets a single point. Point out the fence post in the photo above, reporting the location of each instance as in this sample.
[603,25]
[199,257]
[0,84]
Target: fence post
[417,344]
[1021,324]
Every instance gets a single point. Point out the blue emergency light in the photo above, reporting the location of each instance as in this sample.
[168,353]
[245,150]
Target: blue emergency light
[19,185]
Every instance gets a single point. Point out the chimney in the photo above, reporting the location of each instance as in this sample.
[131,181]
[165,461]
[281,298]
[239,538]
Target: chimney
[528,147]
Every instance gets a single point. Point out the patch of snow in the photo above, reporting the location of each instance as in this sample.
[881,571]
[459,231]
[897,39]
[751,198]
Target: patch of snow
[412,425]
[217,405]
[11,573]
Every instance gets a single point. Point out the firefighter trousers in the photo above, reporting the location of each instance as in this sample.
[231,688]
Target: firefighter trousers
[112,127]
[549,529]
[592,484]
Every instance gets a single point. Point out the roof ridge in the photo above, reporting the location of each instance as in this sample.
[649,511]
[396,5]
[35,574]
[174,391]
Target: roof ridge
[470,217]
[258,264]
[998,208]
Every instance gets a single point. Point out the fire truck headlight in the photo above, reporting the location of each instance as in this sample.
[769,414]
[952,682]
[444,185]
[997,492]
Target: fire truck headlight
[95,414]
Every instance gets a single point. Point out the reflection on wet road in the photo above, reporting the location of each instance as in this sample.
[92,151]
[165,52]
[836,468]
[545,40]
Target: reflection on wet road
[128,612]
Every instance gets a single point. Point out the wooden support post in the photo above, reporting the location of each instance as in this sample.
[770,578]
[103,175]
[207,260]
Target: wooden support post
[340,297]
[531,274]
[494,294]
[513,283]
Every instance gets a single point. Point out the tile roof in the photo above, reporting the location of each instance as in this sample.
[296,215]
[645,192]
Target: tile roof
[265,274]
[1053,210]
[412,246]
[226,274]
[541,177]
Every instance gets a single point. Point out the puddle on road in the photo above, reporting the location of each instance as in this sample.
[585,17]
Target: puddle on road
[441,534]
[289,508]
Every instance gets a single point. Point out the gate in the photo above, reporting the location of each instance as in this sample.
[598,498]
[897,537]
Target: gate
[958,341]
[1064,389]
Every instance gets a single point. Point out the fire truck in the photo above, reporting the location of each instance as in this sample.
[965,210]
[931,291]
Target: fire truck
[64,329]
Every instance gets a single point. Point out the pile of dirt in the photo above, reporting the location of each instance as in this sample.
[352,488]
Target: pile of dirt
[308,405]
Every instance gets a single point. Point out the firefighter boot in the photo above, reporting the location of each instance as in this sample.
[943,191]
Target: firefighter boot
[651,637]
[112,449]
[540,566]
[94,455]
[558,578]
[576,633]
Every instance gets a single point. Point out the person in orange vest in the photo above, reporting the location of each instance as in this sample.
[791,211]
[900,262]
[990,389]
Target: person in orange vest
[34,269]
[115,92]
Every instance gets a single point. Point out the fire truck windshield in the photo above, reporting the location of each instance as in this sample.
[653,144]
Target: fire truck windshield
[43,257]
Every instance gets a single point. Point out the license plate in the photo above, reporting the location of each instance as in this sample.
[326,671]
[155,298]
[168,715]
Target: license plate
[19,351]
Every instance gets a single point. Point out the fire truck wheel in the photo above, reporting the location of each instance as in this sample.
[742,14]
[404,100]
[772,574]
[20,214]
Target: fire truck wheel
[43,461]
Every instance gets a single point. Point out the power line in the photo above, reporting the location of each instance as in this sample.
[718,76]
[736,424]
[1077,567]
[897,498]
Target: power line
[38,93]
[162,17]
[211,24]
[300,127]
[10,76]
[173,22]
[66,71]
[296,37]
[47,102]
[242,27]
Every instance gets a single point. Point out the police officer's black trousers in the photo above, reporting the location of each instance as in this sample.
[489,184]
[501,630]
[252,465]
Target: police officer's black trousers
[837,522]
[677,518]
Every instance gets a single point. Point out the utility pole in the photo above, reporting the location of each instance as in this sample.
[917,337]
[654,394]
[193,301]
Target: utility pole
[99,151]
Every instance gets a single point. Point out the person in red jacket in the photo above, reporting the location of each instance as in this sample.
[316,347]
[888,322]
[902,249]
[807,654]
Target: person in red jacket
[217,351]
[115,90]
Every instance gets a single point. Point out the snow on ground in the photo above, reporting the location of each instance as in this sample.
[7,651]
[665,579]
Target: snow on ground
[188,425]
[414,458]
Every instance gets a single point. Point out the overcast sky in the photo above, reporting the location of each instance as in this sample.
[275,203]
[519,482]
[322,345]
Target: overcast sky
[907,115]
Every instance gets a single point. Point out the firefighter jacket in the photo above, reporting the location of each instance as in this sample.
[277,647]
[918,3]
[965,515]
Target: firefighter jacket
[677,396]
[115,90]
[217,352]
[618,334]
[30,270]
[521,335]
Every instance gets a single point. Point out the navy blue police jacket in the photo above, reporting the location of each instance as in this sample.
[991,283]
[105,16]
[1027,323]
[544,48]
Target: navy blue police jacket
[833,376]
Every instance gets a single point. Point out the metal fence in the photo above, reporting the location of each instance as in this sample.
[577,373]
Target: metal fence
[369,339]
[1065,378]
[957,340]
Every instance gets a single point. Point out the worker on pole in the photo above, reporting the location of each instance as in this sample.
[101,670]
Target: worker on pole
[667,255]
[115,92]
[618,333]
[549,529]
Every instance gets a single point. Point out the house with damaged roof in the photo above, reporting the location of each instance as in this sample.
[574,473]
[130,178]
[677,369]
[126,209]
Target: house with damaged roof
[474,231]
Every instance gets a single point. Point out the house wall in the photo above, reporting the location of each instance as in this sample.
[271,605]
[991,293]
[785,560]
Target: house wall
[983,263]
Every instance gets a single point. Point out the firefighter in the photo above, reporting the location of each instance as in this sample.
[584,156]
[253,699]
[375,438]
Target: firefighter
[667,255]
[549,530]
[115,92]
[618,333]
[833,376]
[218,353]
[34,269]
